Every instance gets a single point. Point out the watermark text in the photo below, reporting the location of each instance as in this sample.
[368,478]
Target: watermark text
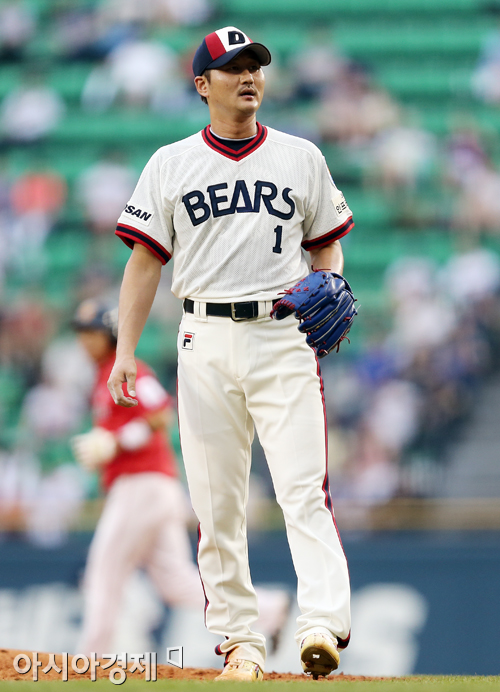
[117,665]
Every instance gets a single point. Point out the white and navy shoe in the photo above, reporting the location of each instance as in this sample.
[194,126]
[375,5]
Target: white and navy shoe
[319,655]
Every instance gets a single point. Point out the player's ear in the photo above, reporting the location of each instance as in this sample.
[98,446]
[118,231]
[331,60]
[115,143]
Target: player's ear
[201,84]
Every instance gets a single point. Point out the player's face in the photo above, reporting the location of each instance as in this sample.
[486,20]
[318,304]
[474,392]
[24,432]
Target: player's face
[238,87]
[97,344]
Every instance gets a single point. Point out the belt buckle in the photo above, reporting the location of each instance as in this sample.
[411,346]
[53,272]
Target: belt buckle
[243,319]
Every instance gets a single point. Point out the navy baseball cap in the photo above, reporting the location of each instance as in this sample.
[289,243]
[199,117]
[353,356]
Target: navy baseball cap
[221,46]
[92,314]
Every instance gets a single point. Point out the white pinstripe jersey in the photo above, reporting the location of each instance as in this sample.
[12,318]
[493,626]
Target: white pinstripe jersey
[235,222]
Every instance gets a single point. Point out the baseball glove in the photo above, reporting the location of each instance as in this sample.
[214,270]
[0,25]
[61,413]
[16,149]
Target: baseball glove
[324,304]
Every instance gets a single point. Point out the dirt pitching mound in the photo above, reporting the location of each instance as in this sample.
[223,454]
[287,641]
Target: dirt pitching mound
[8,658]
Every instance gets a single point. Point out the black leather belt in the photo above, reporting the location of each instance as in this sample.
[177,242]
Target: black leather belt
[236,311]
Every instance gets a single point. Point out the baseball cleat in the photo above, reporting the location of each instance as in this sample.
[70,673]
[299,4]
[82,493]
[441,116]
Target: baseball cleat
[319,655]
[241,671]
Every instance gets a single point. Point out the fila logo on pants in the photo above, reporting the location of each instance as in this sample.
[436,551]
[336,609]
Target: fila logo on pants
[187,341]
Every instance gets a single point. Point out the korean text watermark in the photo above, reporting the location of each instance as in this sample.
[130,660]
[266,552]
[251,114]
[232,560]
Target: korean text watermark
[118,665]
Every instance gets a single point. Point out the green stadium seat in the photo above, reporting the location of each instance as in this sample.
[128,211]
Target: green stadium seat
[10,78]
[69,80]
[330,9]
[411,37]
[116,127]
[433,82]
[369,208]
[157,343]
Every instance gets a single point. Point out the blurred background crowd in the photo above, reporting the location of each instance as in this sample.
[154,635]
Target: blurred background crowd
[403,98]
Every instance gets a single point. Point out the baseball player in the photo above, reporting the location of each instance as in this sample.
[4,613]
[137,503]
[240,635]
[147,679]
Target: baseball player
[144,520]
[235,205]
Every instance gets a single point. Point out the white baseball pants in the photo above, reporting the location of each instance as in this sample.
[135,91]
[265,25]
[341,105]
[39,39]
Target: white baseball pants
[232,376]
[143,524]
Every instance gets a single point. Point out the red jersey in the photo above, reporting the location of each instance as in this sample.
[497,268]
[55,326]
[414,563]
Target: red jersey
[157,454]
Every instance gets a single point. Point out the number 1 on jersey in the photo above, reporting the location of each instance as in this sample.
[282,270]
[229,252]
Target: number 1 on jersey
[279,233]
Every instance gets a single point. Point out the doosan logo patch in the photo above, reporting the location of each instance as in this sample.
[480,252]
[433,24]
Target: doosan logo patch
[187,341]
[141,215]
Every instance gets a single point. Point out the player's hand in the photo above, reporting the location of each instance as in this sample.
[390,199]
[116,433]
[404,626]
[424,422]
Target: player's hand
[94,449]
[124,371]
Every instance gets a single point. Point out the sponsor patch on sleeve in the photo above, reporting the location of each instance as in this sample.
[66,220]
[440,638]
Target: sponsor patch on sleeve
[339,202]
[144,216]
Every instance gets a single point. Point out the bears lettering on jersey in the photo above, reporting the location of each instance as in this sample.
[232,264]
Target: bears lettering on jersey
[200,209]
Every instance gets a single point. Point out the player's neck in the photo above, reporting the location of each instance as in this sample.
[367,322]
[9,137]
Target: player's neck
[233,129]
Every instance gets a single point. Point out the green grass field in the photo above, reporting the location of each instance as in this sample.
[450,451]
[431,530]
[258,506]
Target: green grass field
[411,684]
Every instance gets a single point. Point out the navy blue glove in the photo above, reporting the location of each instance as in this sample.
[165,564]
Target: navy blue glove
[324,304]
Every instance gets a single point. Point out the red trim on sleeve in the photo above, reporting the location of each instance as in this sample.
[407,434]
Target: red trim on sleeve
[131,235]
[329,237]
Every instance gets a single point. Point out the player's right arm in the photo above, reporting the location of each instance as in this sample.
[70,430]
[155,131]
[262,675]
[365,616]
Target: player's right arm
[140,281]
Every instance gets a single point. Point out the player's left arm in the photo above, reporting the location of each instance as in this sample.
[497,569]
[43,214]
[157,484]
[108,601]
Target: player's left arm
[99,446]
[328,258]
[138,432]
[159,420]
[154,413]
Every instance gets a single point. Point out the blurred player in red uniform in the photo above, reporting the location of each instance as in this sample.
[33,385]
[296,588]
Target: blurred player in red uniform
[144,519]
[143,523]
